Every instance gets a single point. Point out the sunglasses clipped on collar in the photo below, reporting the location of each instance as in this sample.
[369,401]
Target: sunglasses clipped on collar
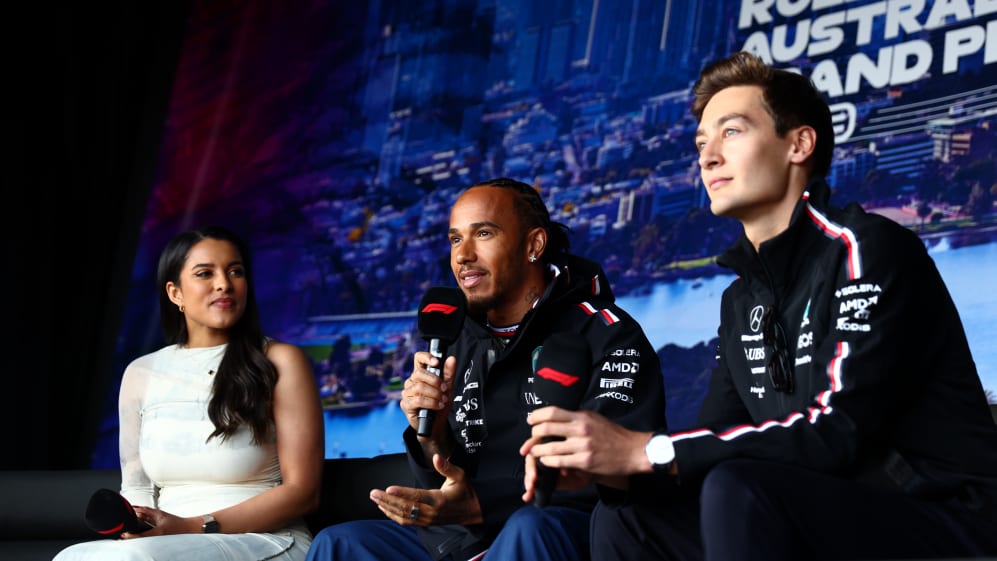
[777,363]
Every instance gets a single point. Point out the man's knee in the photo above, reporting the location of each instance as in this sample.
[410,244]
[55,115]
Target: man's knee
[735,482]
[740,493]
[606,520]
[336,532]
[333,542]
[549,533]
[527,521]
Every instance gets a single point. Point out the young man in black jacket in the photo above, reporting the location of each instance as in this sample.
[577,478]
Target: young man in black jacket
[845,418]
[522,288]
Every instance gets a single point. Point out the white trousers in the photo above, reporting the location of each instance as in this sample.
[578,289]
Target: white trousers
[284,545]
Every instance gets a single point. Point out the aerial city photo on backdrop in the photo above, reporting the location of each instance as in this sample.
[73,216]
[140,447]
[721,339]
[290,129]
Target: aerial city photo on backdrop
[338,147]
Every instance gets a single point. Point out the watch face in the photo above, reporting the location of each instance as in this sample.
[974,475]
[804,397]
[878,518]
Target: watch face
[660,450]
[210,525]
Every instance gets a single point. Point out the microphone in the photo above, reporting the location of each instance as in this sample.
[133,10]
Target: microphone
[110,514]
[561,372]
[441,316]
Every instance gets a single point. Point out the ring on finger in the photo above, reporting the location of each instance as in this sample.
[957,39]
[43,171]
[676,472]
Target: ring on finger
[414,513]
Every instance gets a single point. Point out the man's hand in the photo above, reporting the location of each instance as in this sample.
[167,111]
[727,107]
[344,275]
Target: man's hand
[566,478]
[592,444]
[453,503]
[425,390]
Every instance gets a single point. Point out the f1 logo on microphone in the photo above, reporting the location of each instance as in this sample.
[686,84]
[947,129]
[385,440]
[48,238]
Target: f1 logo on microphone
[445,309]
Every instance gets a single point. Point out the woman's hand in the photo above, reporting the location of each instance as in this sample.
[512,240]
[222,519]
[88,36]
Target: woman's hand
[163,523]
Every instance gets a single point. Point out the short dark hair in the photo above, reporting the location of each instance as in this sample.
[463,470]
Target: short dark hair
[534,214]
[790,98]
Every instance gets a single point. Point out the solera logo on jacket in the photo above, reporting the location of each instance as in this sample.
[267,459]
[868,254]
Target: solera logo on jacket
[755,318]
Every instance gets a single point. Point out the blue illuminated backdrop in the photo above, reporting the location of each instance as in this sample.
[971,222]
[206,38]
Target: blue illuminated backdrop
[335,136]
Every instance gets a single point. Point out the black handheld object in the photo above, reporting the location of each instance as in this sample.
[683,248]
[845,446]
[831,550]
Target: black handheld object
[441,316]
[110,514]
[561,376]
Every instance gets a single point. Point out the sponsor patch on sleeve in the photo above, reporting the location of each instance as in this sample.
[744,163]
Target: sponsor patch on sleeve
[854,305]
[616,376]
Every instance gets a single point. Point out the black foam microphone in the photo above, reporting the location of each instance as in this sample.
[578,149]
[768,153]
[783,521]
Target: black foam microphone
[561,376]
[110,514]
[441,317]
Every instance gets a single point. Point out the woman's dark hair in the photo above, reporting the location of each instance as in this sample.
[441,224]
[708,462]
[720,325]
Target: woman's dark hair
[534,214]
[790,98]
[242,393]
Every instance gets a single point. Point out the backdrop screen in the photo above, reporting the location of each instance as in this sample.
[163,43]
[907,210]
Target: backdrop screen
[336,135]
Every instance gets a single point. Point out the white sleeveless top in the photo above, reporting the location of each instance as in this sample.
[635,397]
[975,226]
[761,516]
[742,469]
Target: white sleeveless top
[168,463]
[169,390]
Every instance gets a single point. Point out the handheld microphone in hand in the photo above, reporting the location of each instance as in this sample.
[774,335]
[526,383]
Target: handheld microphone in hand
[561,373]
[110,514]
[441,316]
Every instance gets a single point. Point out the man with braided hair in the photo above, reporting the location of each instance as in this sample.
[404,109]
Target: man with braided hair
[522,286]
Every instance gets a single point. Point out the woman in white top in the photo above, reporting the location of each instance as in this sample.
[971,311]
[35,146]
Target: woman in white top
[221,437]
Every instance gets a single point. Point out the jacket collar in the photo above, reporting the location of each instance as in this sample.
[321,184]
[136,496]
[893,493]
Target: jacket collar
[575,279]
[778,260]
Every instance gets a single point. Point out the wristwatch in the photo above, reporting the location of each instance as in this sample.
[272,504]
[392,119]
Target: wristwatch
[660,452]
[210,525]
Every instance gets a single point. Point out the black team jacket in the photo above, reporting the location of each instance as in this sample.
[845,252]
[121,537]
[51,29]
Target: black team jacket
[885,386]
[493,395]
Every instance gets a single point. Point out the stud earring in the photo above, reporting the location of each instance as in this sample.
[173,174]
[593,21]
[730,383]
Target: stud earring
[533,259]
[181,308]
